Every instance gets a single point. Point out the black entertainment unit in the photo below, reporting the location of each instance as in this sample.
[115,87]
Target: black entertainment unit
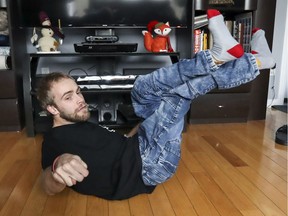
[80,19]
[88,47]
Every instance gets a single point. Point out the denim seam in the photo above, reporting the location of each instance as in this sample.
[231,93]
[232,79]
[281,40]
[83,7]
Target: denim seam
[212,66]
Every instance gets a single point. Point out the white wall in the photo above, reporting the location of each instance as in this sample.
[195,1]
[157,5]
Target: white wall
[278,77]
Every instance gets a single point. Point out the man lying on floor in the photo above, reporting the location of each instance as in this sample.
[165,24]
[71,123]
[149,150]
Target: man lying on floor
[96,161]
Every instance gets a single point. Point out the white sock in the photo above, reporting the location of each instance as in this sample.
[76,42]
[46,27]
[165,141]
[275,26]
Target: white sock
[260,49]
[225,47]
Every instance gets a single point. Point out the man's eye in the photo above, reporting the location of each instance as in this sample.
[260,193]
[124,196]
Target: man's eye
[67,98]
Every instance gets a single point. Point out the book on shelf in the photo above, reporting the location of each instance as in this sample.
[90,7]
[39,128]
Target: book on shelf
[202,40]
[197,40]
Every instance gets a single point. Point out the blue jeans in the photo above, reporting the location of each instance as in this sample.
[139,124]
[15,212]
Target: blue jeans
[163,97]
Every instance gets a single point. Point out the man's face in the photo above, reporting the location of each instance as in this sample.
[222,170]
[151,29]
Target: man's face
[69,101]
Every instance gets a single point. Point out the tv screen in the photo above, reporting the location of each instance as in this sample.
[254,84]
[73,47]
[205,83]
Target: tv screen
[106,13]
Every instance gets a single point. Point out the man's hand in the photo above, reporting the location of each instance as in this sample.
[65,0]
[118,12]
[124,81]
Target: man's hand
[70,169]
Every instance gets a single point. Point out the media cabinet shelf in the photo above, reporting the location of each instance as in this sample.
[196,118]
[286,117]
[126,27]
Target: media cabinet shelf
[174,56]
[38,123]
[98,91]
[106,54]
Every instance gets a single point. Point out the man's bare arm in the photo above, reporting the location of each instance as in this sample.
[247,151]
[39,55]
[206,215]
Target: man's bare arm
[49,184]
[133,131]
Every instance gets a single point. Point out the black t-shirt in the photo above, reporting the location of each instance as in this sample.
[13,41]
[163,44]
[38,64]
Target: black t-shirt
[114,161]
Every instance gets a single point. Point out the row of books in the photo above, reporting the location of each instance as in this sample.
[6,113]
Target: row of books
[240,29]
[202,40]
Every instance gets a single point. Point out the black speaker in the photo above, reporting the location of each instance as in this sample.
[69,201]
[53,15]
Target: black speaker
[107,110]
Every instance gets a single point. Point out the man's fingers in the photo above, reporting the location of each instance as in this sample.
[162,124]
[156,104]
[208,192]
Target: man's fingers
[84,164]
[67,180]
[79,166]
[72,171]
[80,160]
[78,169]
[66,171]
[64,178]
[73,181]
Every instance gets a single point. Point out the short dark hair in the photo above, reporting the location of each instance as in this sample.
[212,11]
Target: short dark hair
[44,87]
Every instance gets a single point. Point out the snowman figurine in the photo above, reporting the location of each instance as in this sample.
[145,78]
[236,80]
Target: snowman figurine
[46,43]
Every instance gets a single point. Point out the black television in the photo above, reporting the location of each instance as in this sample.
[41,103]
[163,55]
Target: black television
[107,13]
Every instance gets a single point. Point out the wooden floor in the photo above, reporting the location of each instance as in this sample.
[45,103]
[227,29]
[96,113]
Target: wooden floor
[226,169]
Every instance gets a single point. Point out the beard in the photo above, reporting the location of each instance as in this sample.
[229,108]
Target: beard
[76,117]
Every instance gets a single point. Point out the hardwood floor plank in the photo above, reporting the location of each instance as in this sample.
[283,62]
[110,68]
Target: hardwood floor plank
[21,191]
[263,166]
[190,161]
[275,119]
[10,180]
[22,150]
[271,154]
[189,139]
[7,141]
[160,203]
[268,189]
[279,149]
[199,200]
[246,152]
[216,195]
[178,198]
[76,204]
[225,152]
[56,205]
[119,208]
[267,139]
[36,200]
[97,206]
[140,205]
[251,213]
[258,146]
[255,195]
[236,196]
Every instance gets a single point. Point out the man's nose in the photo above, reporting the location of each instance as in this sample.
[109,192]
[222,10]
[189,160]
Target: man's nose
[80,98]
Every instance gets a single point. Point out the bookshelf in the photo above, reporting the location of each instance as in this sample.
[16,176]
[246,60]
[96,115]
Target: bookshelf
[11,114]
[230,105]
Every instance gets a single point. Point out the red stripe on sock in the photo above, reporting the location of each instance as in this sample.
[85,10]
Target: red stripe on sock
[254,30]
[254,52]
[236,51]
[212,12]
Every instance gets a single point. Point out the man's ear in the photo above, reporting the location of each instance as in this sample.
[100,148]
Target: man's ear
[52,109]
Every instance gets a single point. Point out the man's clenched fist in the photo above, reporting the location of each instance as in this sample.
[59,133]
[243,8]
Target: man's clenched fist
[70,169]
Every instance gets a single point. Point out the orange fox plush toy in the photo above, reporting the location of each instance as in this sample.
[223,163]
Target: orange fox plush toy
[161,42]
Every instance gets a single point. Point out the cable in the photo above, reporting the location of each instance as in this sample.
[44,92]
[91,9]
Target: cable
[81,69]
[273,87]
